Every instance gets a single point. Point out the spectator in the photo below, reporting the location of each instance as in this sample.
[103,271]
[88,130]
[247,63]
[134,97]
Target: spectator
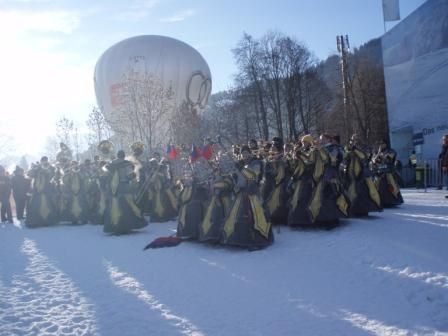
[5,194]
[20,189]
[413,160]
[443,157]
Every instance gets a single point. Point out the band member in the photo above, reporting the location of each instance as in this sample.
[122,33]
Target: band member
[328,202]
[5,194]
[21,187]
[163,202]
[360,188]
[98,192]
[41,209]
[276,180]
[302,184]
[219,207]
[194,197]
[383,164]
[121,215]
[74,187]
[247,225]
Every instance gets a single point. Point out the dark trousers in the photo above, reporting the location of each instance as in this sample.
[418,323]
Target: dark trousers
[20,206]
[6,212]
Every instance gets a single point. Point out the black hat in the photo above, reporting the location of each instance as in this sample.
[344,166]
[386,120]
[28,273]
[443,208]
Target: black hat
[253,144]
[121,154]
[245,148]
[277,143]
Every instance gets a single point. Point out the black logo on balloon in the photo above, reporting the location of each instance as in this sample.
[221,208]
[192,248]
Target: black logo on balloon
[198,99]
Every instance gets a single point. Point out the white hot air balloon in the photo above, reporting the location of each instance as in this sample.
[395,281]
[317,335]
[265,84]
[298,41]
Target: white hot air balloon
[173,64]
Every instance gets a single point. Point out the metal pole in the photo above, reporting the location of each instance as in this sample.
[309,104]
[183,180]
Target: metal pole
[344,48]
[424,174]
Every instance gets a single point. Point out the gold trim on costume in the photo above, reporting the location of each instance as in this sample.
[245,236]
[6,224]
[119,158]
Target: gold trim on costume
[316,202]
[135,209]
[295,197]
[44,208]
[391,181]
[274,200]
[342,204]
[373,192]
[260,222]
[115,211]
[115,181]
[229,225]
[172,198]
[280,173]
[207,222]
[76,209]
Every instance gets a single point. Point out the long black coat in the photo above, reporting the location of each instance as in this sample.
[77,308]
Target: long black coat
[5,187]
[20,186]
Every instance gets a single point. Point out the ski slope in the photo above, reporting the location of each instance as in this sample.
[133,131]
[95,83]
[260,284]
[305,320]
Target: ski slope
[383,275]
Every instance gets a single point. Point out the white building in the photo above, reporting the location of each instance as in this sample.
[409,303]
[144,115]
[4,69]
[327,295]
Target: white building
[415,55]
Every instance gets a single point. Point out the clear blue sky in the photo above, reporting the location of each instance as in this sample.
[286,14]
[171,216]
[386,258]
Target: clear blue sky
[51,46]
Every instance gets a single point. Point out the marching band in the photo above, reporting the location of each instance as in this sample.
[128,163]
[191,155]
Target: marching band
[222,196]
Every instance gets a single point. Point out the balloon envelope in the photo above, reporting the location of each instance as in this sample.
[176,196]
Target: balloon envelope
[174,64]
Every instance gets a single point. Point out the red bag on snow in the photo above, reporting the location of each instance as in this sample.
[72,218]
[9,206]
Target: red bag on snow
[164,242]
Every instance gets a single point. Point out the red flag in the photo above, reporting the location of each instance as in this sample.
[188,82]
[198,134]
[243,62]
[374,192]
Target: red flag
[207,152]
[171,152]
[195,153]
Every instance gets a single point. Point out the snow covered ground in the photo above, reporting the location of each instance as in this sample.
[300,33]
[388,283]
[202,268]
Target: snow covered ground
[384,275]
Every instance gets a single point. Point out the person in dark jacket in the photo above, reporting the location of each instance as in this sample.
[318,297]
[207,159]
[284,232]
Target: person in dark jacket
[5,194]
[20,190]
[444,160]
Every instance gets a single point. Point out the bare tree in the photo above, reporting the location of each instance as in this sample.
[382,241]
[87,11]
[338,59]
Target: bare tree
[98,125]
[248,58]
[51,147]
[64,130]
[7,147]
[146,111]
[273,66]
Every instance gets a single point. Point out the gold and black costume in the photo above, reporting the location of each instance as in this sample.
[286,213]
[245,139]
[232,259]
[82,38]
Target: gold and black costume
[193,200]
[385,180]
[276,181]
[162,200]
[41,210]
[122,214]
[360,188]
[74,189]
[219,207]
[328,203]
[302,186]
[247,225]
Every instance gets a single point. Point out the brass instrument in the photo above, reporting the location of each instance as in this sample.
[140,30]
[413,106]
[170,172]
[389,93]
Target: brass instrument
[225,159]
[106,147]
[187,172]
[226,163]
[202,170]
[137,148]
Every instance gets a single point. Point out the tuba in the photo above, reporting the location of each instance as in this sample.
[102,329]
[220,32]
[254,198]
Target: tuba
[137,148]
[105,147]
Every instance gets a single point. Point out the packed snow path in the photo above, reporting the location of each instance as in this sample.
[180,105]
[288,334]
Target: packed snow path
[383,275]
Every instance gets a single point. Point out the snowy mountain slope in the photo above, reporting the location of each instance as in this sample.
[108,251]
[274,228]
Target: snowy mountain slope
[385,275]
